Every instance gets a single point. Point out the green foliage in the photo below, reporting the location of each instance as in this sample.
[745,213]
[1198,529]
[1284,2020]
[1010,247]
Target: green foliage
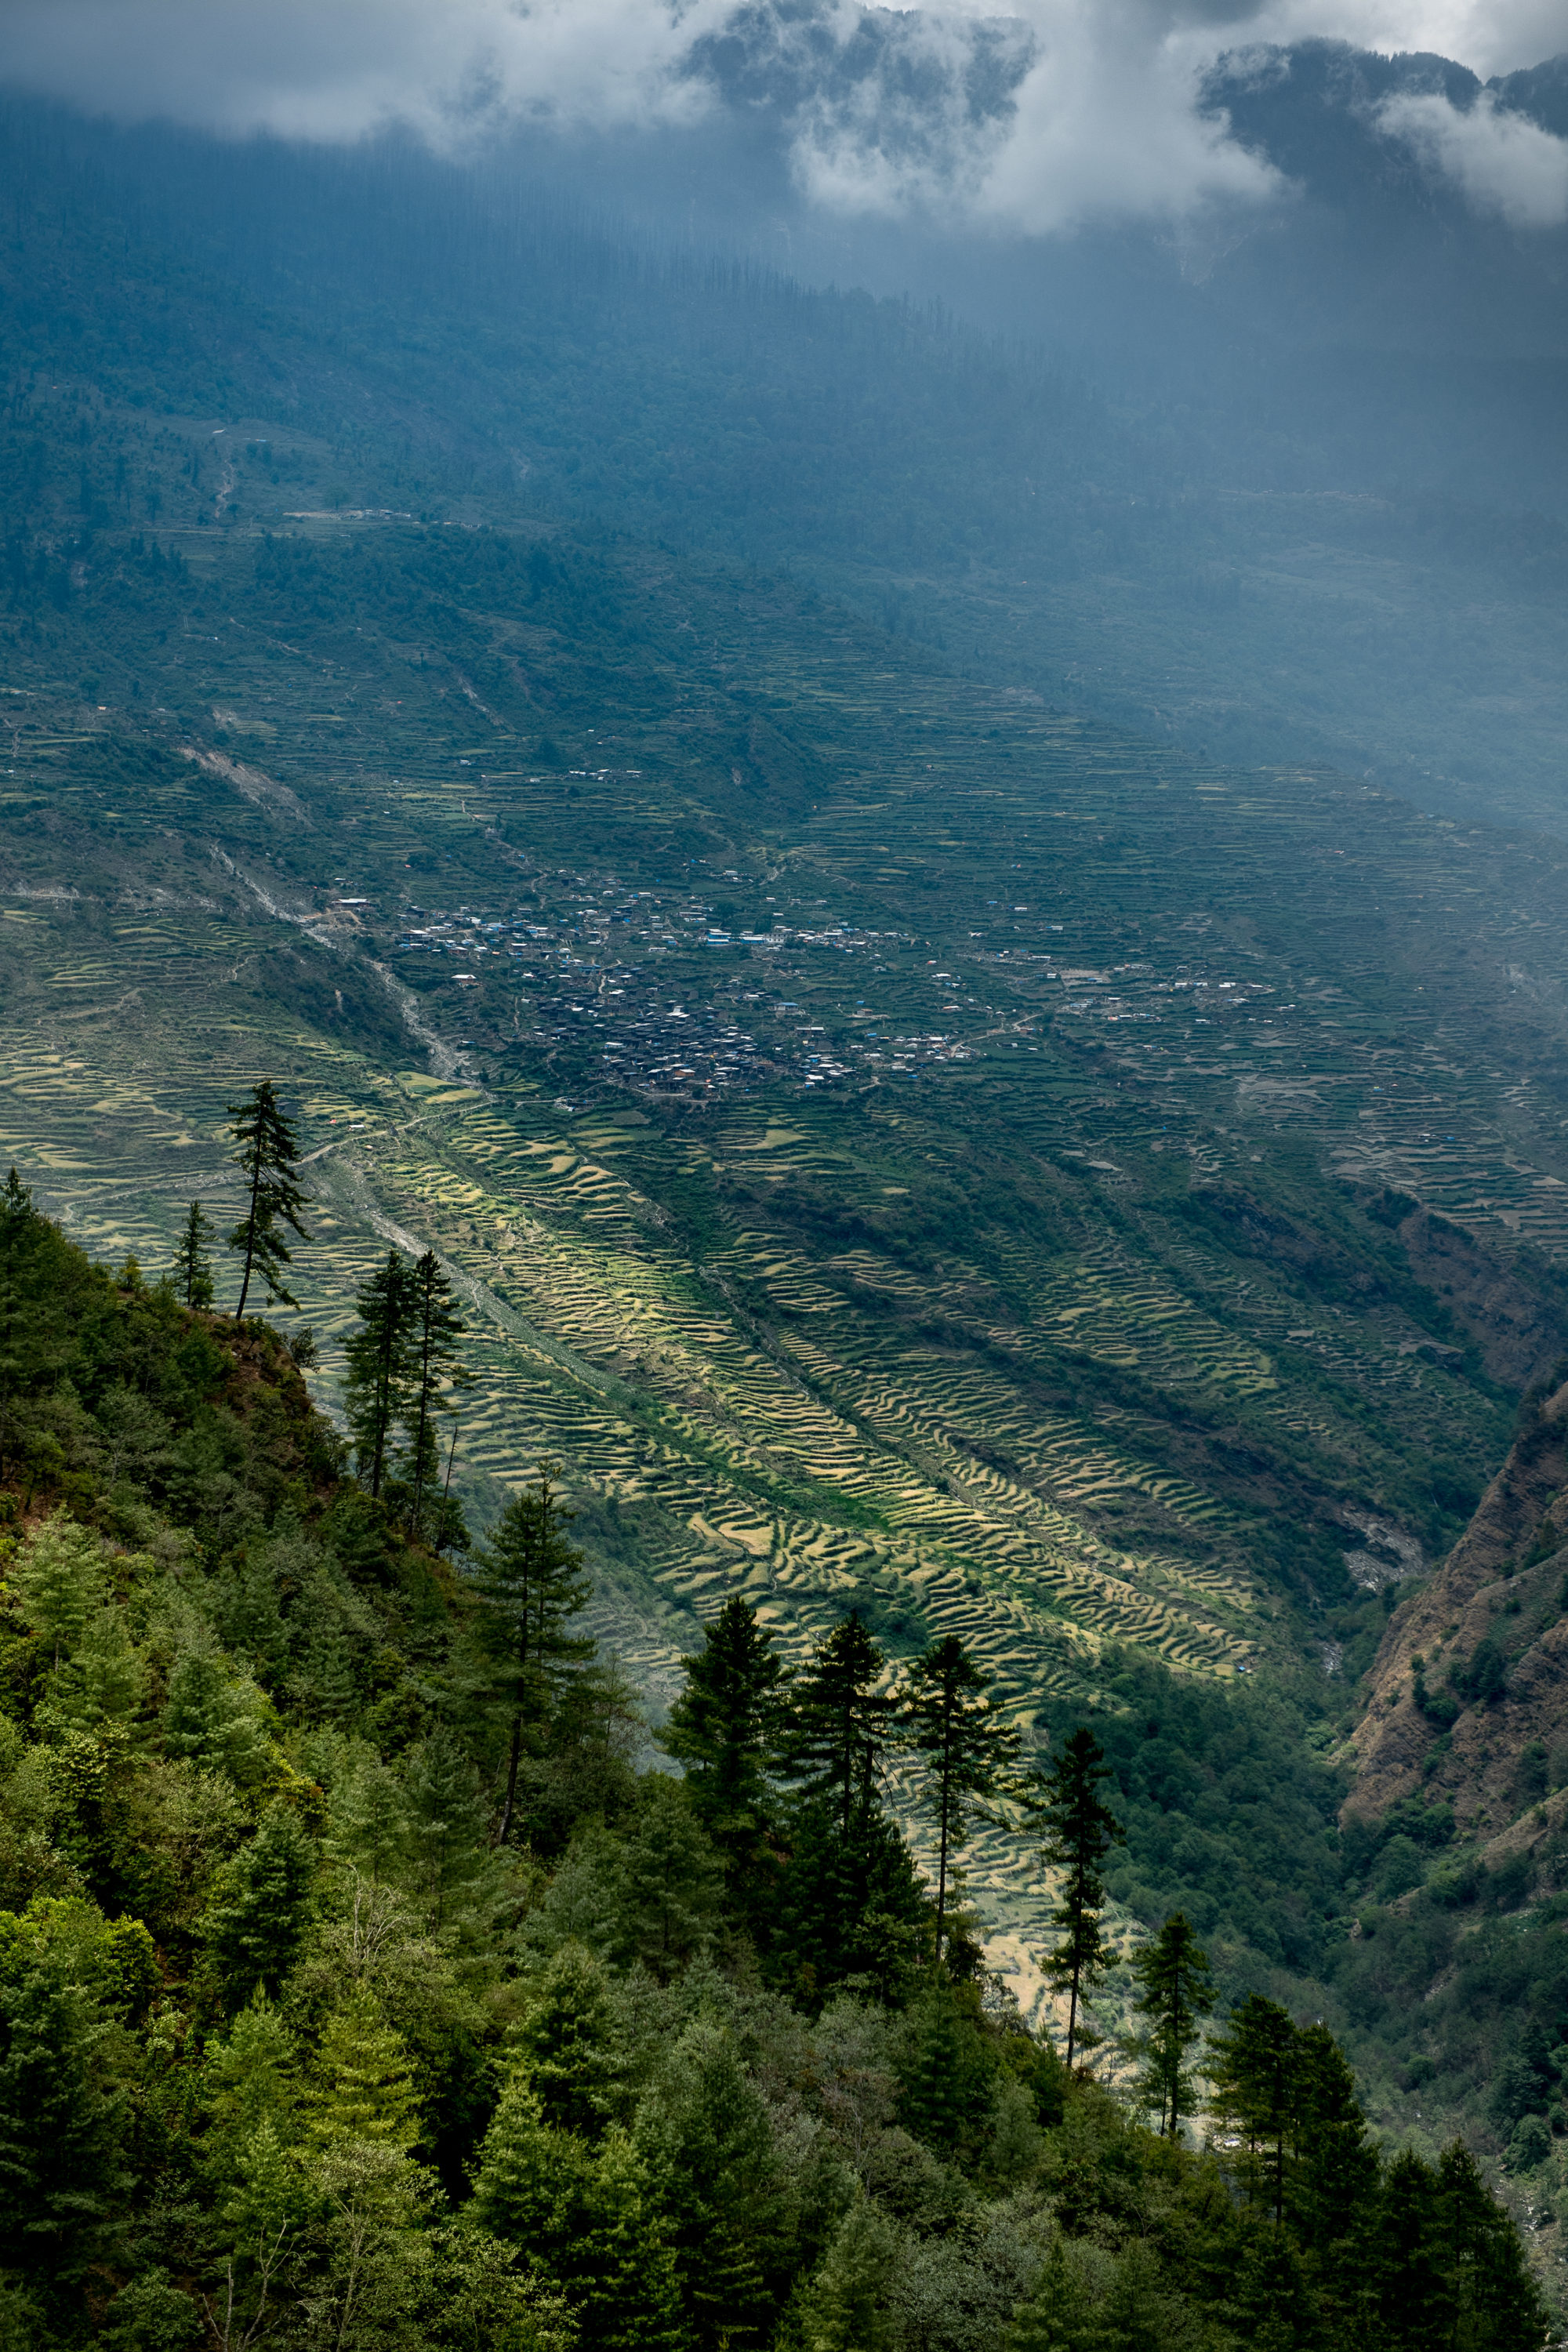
[1175,1994]
[568,2053]
[66,2076]
[268,1155]
[293,2047]
[725,1728]
[530,1580]
[257,1916]
[379,1364]
[1080,1830]
[192,1263]
[964,1748]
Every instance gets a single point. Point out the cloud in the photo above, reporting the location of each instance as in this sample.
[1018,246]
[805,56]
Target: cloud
[1489,36]
[338,69]
[1035,116]
[1502,161]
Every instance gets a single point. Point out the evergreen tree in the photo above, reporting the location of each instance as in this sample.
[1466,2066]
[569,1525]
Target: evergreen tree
[852,1905]
[1057,2316]
[725,1727]
[946,2072]
[526,2169]
[260,1905]
[532,1584]
[211,1720]
[1080,1831]
[587,2220]
[1411,2301]
[434,1366]
[1256,2093]
[1175,1994]
[1494,2303]
[849,2303]
[1333,2186]
[568,2050]
[192,1265]
[850,1911]
[64,2117]
[964,1751]
[58,1579]
[379,1364]
[670,1879]
[618,2267]
[269,1155]
[839,1725]
[250,2080]
[702,2133]
[363,2088]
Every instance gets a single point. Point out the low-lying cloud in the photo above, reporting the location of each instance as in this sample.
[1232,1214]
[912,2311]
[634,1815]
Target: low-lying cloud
[1054,113]
[1503,162]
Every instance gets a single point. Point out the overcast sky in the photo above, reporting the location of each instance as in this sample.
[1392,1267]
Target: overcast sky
[1105,122]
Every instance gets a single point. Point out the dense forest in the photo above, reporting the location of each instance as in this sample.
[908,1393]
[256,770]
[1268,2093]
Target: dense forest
[371,1976]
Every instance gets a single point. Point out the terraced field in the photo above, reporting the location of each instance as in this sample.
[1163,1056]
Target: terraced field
[822,1135]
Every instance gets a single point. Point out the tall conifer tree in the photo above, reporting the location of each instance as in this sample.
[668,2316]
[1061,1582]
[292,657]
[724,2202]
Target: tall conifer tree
[1175,1994]
[268,1155]
[1256,2093]
[1080,1831]
[964,1751]
[434,1364]
[380,1365]
[192,1265]
[725,1728]
[840,1724]
[533,1582]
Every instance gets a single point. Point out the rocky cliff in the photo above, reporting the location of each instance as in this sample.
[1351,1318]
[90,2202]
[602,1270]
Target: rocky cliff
[1469,1702]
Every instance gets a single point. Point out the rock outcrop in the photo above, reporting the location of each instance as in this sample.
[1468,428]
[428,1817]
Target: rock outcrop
[1468,1700]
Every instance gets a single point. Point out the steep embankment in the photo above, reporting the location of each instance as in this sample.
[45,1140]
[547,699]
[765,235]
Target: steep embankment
[1469,1696]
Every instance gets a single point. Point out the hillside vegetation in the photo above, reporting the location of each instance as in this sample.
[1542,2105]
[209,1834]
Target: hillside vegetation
[307,2038]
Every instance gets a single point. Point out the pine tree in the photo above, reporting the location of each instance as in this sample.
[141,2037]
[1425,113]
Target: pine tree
[618,2268]
[964,1750]
[363,2088]
[1256,2093]
[1175,1994]
[532,1584]
[434,1366]
[1333,2186]
[64,2113]
[1411,2295]
[260,1905]
[568,2049]
[848,2304]
[946,2072]
[1057,2316]
[58,1580]
[587,2220]
[268,1155]
[525,2169]
[670,1877]
[851,1899]
[840,1726]
[1494,2303]
[725,1728]
[192,1265]
[378,1359]
[1079,1832]
[702,2132]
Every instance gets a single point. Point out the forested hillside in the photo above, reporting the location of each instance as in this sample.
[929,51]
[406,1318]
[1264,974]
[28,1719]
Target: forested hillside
[366,1978]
